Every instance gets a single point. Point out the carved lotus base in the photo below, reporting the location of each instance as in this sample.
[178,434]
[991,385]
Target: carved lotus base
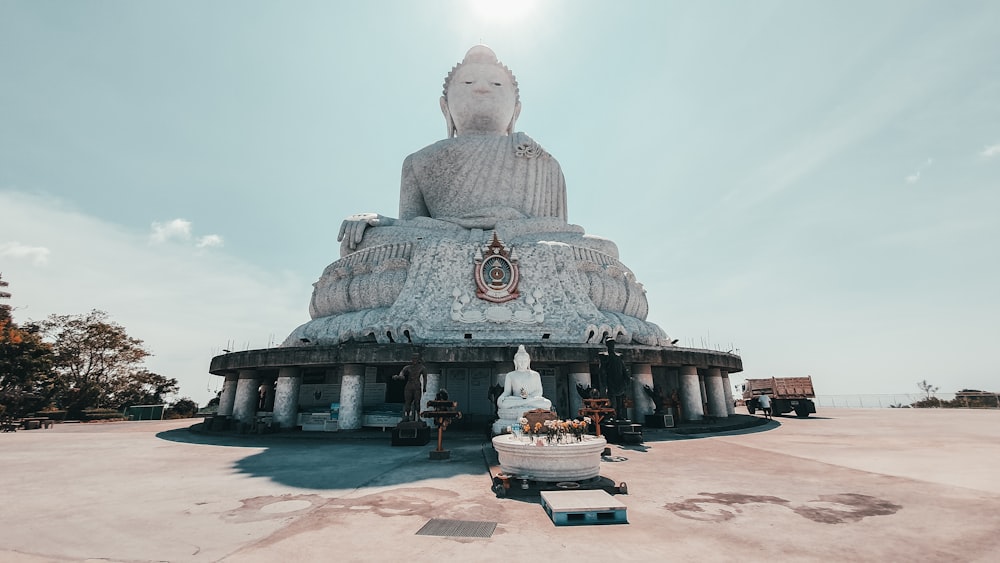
[570,461]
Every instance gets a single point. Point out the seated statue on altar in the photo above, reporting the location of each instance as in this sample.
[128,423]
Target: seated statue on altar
[522,392]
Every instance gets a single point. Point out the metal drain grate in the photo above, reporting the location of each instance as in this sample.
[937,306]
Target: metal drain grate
[457,528]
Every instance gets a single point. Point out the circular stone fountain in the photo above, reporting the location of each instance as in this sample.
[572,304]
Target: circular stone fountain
[569,461]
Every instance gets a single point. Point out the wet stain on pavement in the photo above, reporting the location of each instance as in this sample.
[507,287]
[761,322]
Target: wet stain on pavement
[319,511]
[264,508]
[826,509]
[419,503]
[847,507]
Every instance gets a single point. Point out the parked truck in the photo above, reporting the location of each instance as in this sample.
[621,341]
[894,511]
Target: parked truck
[787,394]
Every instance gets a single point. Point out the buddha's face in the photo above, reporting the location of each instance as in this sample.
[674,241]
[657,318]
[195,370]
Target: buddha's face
[481,99]
[521,362]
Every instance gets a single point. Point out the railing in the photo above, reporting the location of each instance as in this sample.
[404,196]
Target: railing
[907,400]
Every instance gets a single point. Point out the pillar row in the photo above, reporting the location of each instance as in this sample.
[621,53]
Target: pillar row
[690,394]
[228,396]
[642,376]
[286,397]
[433,386]
[352,388]
[579,374]
[247,396]
[727,387]
[716,393]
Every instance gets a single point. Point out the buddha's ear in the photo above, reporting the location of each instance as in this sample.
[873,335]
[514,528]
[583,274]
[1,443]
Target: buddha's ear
[513,119]
[447,117]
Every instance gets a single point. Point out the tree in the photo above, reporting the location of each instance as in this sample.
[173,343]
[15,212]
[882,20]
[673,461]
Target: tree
[143,388]
[95,360]
[25,363]
[182,408]
[927,388]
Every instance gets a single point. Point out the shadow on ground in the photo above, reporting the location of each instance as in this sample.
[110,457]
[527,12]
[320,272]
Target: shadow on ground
[326,461]
[342,464]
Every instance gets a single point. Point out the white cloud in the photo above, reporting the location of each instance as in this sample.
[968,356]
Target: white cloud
[185,305]
[991,151]
[178,229]
[915,177]
[39,255]
[209,241]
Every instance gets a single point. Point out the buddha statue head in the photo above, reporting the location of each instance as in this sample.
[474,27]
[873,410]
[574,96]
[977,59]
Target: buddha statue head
[480,95]
[522,361]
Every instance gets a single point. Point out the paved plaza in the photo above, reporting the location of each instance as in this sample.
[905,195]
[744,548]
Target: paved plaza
[846,485]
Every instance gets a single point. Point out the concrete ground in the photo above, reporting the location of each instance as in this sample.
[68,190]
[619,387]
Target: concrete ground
[847,485]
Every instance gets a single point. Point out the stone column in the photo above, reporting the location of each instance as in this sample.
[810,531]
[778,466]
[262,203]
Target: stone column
[727,387]
[579,373]
[690,394]
[716,393]
[228,397]
[269,393]
[642,376]
[352,395]
[247,396]
[286,397]
[433,386]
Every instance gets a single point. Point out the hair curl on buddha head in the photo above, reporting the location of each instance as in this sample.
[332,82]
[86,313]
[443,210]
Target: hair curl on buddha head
[484,55]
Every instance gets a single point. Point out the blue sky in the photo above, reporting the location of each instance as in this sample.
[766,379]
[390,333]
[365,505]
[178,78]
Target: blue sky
[815,184]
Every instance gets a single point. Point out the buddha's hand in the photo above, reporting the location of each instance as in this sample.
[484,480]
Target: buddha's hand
[353,228]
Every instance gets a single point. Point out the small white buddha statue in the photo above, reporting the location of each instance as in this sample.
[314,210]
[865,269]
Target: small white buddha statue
[522,388]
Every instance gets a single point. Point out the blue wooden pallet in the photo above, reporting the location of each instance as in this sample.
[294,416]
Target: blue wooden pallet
[583,508]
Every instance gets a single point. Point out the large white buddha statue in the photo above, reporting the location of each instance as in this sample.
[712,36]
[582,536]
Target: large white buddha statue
[411,278]
[484,172]
[522,392]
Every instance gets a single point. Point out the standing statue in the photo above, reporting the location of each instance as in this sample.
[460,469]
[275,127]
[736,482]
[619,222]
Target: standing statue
[484,172]
[415,376]
[614,379]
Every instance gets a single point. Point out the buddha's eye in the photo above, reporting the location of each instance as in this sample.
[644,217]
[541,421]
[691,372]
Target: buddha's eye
[497,84]
[468,82]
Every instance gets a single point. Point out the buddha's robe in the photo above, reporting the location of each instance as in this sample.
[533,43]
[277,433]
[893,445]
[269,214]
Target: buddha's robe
[476,180]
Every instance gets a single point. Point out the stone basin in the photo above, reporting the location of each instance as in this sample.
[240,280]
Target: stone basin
[568,461]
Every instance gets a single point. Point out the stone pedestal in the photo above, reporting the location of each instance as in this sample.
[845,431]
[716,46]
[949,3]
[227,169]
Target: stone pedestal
[570,461]
[511,415]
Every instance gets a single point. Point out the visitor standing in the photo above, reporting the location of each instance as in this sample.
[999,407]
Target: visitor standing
[765,405]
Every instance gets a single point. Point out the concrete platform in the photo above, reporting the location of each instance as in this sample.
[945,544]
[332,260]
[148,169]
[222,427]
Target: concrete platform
[583,508]
[847,485]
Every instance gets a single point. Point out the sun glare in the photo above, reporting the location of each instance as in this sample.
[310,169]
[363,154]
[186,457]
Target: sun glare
[503,11]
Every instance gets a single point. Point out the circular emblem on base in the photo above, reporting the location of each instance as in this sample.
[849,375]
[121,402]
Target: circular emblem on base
[496,272]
